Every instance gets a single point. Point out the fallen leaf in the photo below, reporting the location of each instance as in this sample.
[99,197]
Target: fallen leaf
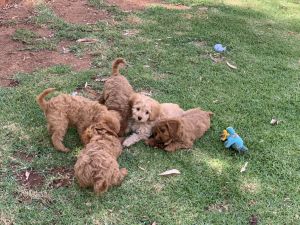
[27,175]
[87,40]
[85,85]
[243,169]
[170,172]
[130,32]
[230,65]
[142,168]
[88,204]
[215,101]
[154,223]
[65,50]
[74,93]
[274,121]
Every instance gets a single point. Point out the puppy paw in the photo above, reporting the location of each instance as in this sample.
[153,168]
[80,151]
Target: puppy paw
[170,148]
[126,143]
[124,171]
[64,150]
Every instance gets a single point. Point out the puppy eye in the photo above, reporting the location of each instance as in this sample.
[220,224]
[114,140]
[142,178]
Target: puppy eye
[138,109]
[147,112]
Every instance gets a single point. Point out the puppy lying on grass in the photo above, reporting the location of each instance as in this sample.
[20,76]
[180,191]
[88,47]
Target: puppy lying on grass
[97,164]
[180,132]
[65,110]
[145,113]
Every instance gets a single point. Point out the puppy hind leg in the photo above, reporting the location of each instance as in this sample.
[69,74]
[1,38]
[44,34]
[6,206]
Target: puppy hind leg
[120,175]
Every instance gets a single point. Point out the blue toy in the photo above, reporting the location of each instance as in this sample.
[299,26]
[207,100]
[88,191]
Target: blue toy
[234,141]
[219,48]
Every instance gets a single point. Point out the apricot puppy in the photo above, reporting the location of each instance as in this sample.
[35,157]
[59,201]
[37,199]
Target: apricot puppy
[180,132]
[145,113]
[116,93]
[97,164]
[64,110]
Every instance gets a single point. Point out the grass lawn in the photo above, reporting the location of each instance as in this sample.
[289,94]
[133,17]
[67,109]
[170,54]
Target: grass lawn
[169,53]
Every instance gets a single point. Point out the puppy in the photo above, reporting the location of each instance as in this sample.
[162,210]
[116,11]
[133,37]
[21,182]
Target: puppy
[180,132]
[145,112]
[97,164]
[64,110]
[116,94]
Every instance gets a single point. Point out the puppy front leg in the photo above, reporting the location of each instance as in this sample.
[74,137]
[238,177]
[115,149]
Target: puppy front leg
[57,138]
[134,138]
[172,147]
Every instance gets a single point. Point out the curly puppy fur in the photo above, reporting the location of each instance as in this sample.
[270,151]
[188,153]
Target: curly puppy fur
[64,110]
[180,132]
[145,113]
[97,164]
[116,94]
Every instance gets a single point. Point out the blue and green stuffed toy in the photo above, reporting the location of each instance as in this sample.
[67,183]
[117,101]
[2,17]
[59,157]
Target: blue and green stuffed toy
[233,140]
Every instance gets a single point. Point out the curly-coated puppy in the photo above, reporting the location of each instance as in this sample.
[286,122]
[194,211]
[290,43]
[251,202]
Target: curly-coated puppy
[97,164]
[64,110]
[180,132]
[145,112]
[116,94]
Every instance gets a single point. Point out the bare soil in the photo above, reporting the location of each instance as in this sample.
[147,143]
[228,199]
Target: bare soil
[77,11]
[30,179]
[65,177]
[24,156]
[132,5]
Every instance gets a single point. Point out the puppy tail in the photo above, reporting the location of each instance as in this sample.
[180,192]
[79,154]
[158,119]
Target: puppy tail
[116,66]
[41,98]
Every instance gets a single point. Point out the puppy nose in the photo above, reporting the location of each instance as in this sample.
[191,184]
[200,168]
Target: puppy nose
[139,118]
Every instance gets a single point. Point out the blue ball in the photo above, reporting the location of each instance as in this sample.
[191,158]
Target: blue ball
[219,48]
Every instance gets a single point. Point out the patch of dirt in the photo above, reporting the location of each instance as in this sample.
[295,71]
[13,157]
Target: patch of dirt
[16,10]
[77,11]
[24,195]
[14,60]
[66,176]
[250,187]
[131,32]
[14,165]
[24,156]
[87,92]
[131,5]
[30,179]
[253,220]
[16,14]
[5,219]
[132,19]
[218,207]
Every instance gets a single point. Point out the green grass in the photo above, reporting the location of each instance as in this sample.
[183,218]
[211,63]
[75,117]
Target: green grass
[265,85]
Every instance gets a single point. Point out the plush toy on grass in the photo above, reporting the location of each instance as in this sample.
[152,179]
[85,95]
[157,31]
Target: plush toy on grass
[233,140]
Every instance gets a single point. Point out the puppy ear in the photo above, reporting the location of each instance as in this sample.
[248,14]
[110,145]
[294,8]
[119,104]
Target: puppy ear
[155,110]
[87,135]
[133,98]
[112,124]
[173,127]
